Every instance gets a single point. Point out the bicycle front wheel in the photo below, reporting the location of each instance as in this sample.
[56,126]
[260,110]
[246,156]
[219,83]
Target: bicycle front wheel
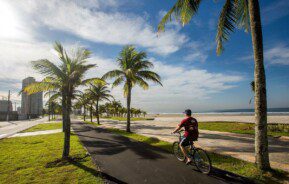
[202,161]
[178,152]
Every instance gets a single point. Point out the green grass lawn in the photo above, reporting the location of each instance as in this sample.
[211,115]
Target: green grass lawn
[45,126]
[124,118]
[35,159]
[227,163]
[243,128]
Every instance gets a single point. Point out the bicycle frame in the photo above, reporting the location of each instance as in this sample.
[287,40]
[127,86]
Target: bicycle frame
[192,147]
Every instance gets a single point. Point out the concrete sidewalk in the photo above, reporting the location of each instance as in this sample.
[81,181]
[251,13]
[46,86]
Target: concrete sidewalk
[236,145]
[44,132]
[10,128]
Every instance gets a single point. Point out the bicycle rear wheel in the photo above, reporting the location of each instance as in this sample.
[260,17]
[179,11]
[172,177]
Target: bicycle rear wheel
[178,152]
[202,161]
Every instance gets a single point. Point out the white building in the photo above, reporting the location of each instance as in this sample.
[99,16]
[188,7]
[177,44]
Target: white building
[31,104]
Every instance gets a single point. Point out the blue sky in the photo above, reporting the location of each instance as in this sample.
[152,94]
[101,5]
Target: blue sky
[193,76]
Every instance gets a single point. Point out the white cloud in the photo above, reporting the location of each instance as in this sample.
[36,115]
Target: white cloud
[98,26]
[181,87]
[15,58]
[276,55]
[198,51]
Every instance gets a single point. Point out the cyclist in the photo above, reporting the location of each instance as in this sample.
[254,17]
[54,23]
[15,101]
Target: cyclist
[191,134]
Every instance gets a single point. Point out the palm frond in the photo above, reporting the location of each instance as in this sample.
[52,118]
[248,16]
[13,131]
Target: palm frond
[93,81]
[47,68]
[112,74]
[252,84]
[54,97]
[118,81]
[59,49]
[143,65]
[183,11]
[242,14]
[50,93]
[141,82]
[149,75]
[226,23]
[82,54]
[38,87]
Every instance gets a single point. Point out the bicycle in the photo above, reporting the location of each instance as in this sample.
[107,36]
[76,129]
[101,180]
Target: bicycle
[199,156]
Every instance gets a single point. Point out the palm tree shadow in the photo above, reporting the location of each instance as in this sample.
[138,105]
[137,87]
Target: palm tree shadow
[77,161]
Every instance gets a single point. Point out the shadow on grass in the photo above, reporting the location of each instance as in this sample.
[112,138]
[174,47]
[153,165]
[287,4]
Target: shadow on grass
[275,176]
[77,161]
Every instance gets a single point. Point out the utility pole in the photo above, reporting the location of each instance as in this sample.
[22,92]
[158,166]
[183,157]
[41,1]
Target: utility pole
[8,109]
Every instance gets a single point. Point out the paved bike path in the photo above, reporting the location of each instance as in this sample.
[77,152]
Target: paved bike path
[129,161]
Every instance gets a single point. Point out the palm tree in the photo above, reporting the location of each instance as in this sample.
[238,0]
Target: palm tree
[82,101]
[98,93]
[90,104]
[53,97]
[116,106]
[122,111]
[101,109]
[244,14]
[133,70]
[144,113]
[63,78]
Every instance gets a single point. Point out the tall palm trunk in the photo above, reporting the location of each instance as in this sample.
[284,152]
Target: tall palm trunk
[261,140]
[128,108]
[67,132]
[84,113]
[90,112]
[97,112]
[64,111]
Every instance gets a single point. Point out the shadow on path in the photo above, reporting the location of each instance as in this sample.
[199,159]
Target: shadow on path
[126,160]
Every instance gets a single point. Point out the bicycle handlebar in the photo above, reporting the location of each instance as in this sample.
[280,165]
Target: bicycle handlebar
[179,132]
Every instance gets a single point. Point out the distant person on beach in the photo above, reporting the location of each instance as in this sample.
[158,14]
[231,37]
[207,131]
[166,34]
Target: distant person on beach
[191,134]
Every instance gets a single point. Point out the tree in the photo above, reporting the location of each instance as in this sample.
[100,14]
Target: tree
[144,113]
[98,93]
[52,103]
[133,70]
[116,106]
[244,14]
[63,78]
[82,101]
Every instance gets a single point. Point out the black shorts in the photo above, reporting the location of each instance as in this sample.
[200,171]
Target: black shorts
[186,141]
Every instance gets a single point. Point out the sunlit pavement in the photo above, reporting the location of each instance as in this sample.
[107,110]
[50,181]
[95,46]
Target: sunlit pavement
[8,129]
[122,160]
[236,145]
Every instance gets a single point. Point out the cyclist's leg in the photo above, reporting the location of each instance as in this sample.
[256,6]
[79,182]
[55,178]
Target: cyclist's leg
[183,144]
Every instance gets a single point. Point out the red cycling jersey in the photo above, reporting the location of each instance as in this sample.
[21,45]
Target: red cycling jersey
[191,128]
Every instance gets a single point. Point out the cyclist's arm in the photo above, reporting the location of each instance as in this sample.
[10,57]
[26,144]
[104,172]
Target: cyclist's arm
[177,129]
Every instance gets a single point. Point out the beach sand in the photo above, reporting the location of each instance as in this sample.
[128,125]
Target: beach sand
[280,119]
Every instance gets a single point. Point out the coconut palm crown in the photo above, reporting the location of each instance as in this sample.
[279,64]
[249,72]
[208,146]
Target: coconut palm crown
[234,14]
[98,92]
[133,70]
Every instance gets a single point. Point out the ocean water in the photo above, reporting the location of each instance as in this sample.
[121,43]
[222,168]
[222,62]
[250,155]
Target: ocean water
[271,111]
